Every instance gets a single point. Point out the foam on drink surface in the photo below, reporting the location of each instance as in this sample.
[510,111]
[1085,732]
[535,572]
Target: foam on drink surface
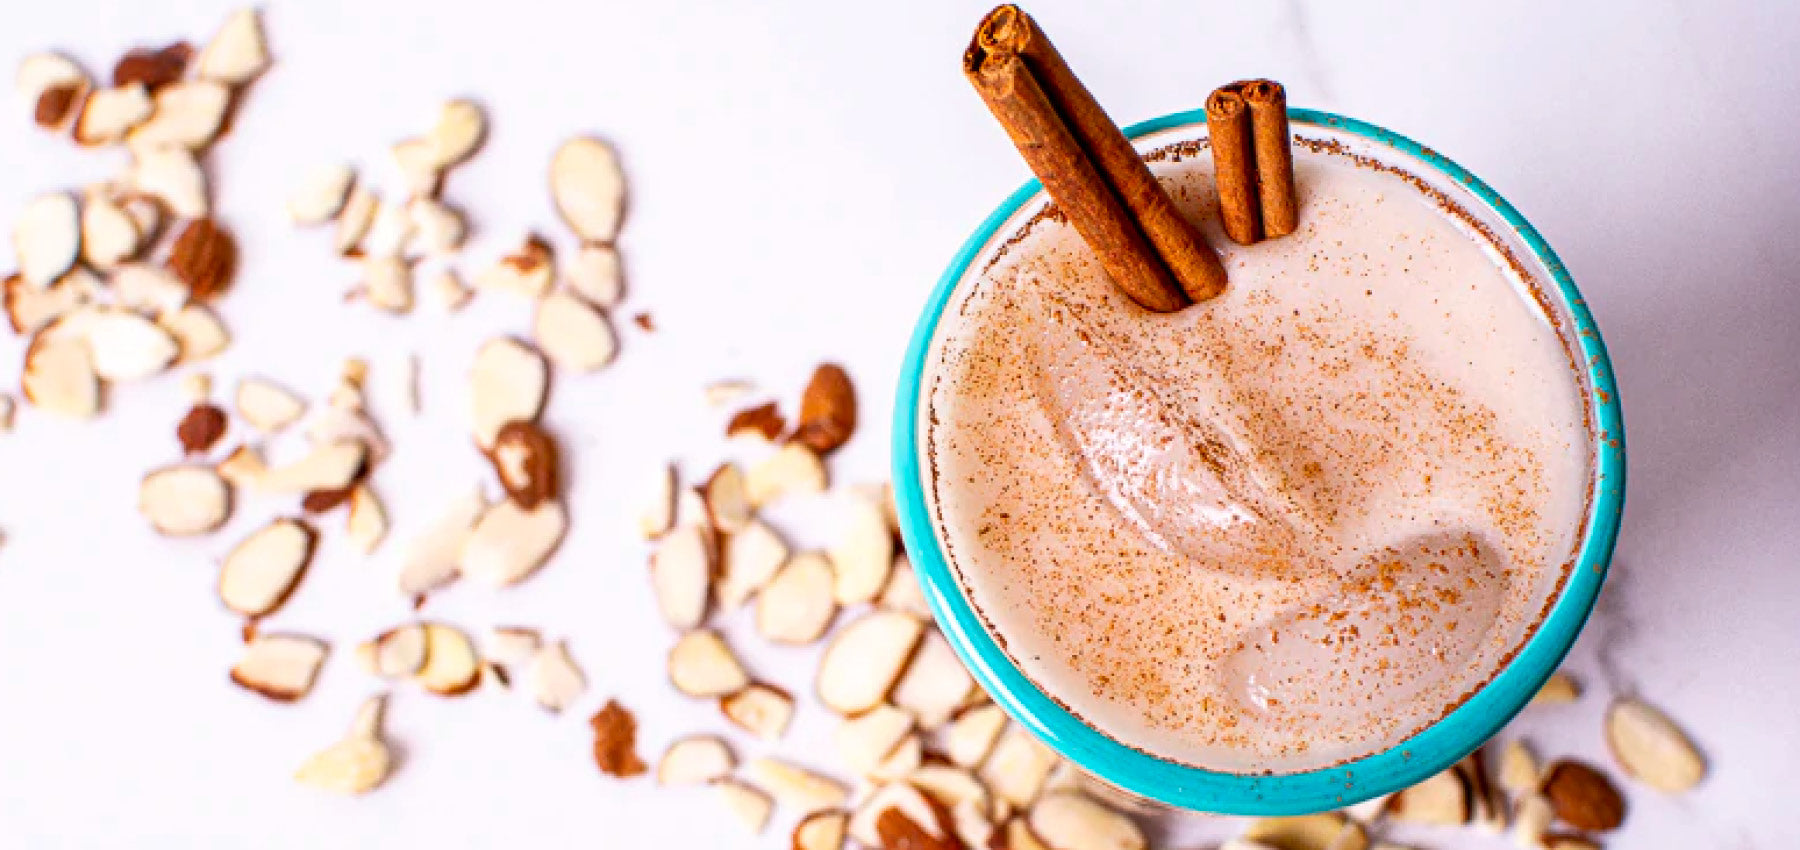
[1279,530]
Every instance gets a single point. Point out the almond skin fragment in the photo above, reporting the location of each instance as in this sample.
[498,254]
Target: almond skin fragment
[824,831]
[1651,748]
[201,428]
[695,760]
[280,667]
[762,710]
[205,256]
[615,741]
[182,501]
[152,68]
[702,665]
[1583,797]
[529,272]
[827,410]
[763,421]
[54,85]
[260,572]
[525,458]
[862,662]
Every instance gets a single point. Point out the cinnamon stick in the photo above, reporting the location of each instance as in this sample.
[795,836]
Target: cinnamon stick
[1071,178]
[1234,165]
[1274,157]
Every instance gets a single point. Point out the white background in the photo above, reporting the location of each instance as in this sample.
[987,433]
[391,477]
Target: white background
[800,174]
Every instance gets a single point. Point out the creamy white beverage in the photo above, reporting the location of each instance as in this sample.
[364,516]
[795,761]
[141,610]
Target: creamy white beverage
[1281,529]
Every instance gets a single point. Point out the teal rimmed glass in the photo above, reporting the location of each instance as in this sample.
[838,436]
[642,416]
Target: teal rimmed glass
[1424,754]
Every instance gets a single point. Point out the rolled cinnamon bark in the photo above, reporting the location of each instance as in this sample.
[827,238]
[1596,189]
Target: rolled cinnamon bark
[1234,166]
[1274,156]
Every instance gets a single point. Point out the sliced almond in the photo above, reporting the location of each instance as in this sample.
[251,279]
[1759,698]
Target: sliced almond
[950,786]
[280,667]
[237,53]
[510,543]
[588,188]
[416,160]
[267,406]
[900,797]
[47,237]
[358,763]
[512,644]
[170,174]
[398,653]
[7,408]
[243,467]
[750,806]
[1532,816]
[367,522]
[1351,837]
[935,684]
[525,458]
[528,272]
[1018,836]
[695,760]
[1073,821]
[387,284]
[447,287]
[1064,777]
[1443,800]
[29,309]
[197,331]
[751,558]
[793,468]
[907,756]
[971,825]
[181,501]
[438,228]
[433,559]
[1559,689]
[1487,806]
[823,831]
[451,665]
[390,231]
[1583,797]
[972,735]
[262,570]
[594,274]
[148,289]
[109,235]
[1018,766]
[1368,810]
[1651,748]
[659,509]
[702,665]
[862,662]
[827,410]
[796,605]
[796,787]
[1569,842]
[1301,832]
[726,500]
[762,710]
[555,679]
[59,375]
[1519,772]
[125,346]
[146,212]
[615,741]
[188,114]
[508,381]
[354,219]
[903,591]
[760,423]
[332,466]
[575,336]
[721,393]
[864,740]
[864,554]
[321,194]
[458,133]
[690,509]
[681,573]
[53,86]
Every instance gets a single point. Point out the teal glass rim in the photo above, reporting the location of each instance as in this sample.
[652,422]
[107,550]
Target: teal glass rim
[1426,753]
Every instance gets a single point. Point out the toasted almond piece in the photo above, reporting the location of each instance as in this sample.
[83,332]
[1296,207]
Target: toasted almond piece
[1651,748]
[182,501]
[1301,832]
[695,760]
[659,510]
[751,558]
[458,133]
[1368,810]
[125,346]
[7,408]
[865,740]
[108,114]
[680,573]
[390,231]
[188,114]
[170,174]
[555,679]
[1519,772]
[108,235]
[862,662]
[574,335]
[280,667]
[702,665]
[354,220]
[795,786]
[864,554]
[793,468]
[824,831]
[513,644]
[762,423]
[529,272]
[827,410]
[358,763]
[29,309]
[243,467]
[47,237]
[400,652]
[972,735]
[53,86]
[1351,837]
[1583,797]
[796,605]
[1559,689]
[589,189]
[525,459]
[907,756]
[510,543]
[451,665]
[1531,820]
[148,289]
[267,406]
[1073,821]
[59,375]
[950,786]
[903,798]
[935,683]
[197,331]
[367,522]
[237,53]
[263,569]
[615,741]
[750,806]
[387,283]
[416,161]
[594,274]
[433,559]
[903,591]
[725,499]
[153,67]
[439,228]
[508,381]
[762,710]
[1443,799]
[327,467]
[321,194]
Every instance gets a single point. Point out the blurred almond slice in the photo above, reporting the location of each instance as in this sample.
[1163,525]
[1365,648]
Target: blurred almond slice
[907,756]
[188,114]
[528,272]
[935,684]
[416,160]
[680,573]
[825,831]
[8,408]
[458,133]
[589,189]
[1354,837]
[1302,832]
[973,733]
[752,556]
[862,661]
[701,665]
[148,288]
[390,230]
[900,797]
[52,87]
[659,510]
[327,467]
[796,787]
[29,309]
[556,681]
[726,500]
[1073,821]
[759,425]
[449,290]
[1651,748]
[321,194]
[1018,766]
[1559,689]
[358,763]
[170,174]
[146,212]
[1368,810]
[354,220]
[367,522]
[509,543]
[750,806]
[694,761]
[399,653]
[864,740]
[1563,841]
[1442,799]
[125,346]
[690,510]
[1532,816]
[508,381]
[433,559]
[594,274]
[793,468]
[387,283]
[864,554]
[451,666]
[243,467]
[762,710]
[237,53]
[1018,836]
[903,591]
[182,501]
[263,569]
[721,393]
[109,235]
[47,237]
[513,644]
[796,605]
[267,406]
[281,667]
[574,335]
[950,786]
[439,228]
[59,375]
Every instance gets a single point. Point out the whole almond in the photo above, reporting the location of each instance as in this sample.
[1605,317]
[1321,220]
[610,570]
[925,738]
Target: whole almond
[201,428]
[525,459]
[827,410]
[205,257]
[1583,797]
[154,67]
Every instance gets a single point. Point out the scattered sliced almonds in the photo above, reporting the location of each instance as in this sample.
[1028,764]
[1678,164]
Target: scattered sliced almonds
[573,334]
[1559,689]
[822,831]
[972,734]
[47,238]
[797,787]
[433,561]
[267,406]
[1442,799]
[321,194]
[899,797]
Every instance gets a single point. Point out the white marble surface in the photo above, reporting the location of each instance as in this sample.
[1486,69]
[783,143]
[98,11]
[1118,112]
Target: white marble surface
[800,174]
